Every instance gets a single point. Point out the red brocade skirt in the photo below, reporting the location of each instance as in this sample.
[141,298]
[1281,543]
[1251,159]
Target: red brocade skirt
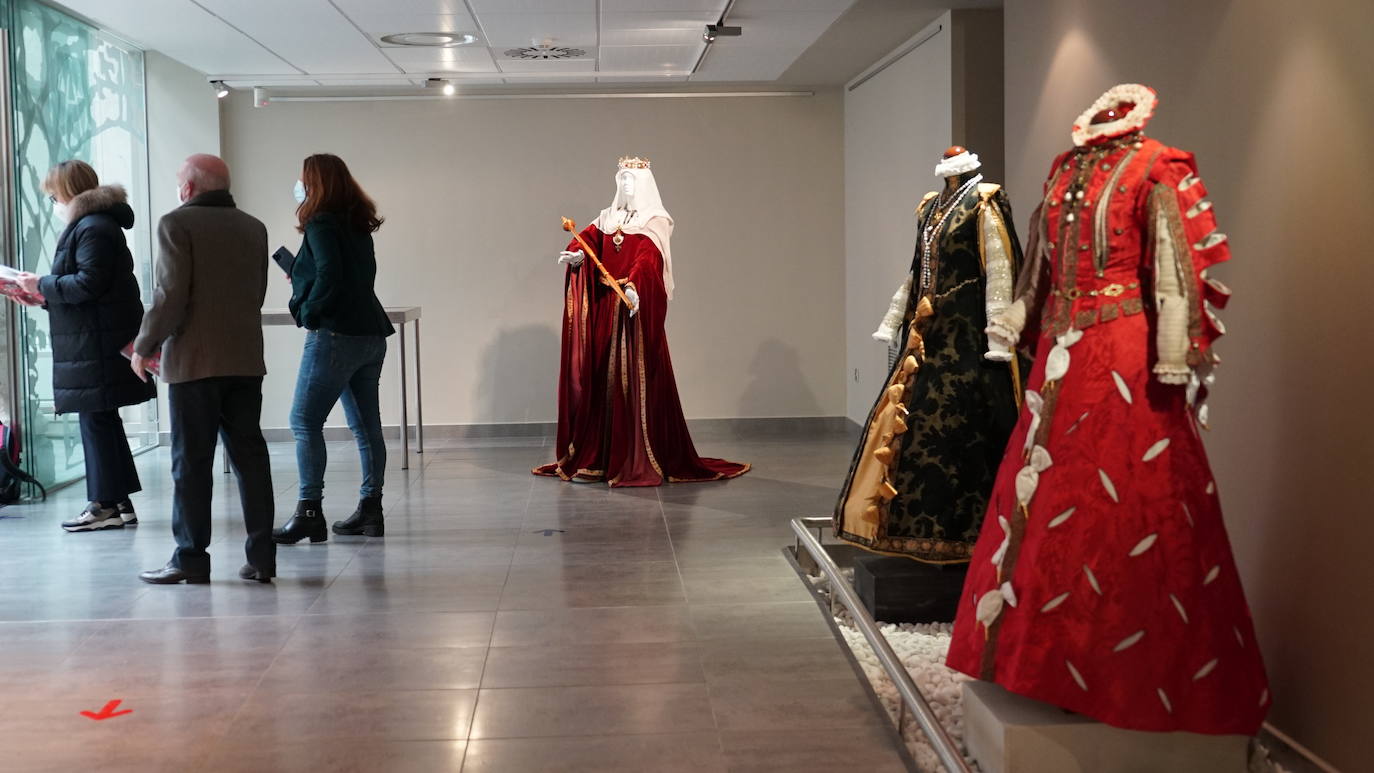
[1103,580]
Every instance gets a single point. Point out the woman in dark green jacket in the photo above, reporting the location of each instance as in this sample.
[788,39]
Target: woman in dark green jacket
[332,297]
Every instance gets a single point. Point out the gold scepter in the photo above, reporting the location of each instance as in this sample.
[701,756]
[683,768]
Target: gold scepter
[571,228]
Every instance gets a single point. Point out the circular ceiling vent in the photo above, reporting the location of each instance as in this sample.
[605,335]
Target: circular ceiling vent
[545,52]
[430,39]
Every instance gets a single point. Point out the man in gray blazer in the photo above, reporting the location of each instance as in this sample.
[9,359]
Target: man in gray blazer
[207,320]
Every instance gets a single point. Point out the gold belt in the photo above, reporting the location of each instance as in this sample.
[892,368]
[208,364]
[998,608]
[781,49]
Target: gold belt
[1112,290]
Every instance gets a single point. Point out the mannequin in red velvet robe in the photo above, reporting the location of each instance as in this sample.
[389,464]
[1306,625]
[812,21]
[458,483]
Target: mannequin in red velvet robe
[619,416]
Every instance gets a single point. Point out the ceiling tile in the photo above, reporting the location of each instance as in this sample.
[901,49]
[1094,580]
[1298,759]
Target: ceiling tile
[484,7]
[834,7]
[184,32]
[388,23]
[648,58]
[434,7]
[654,29]
[623,6]
[547,65]
[511,30]
[426,60]
[311,34]
[525,79]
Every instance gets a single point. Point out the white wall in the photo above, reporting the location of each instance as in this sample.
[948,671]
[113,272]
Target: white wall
[183,118]
[1273,97]
[473,189]
[896,126]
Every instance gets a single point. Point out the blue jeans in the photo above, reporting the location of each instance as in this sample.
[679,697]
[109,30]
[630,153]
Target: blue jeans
[337,366]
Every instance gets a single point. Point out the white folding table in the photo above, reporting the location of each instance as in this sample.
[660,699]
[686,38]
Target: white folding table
[399,316]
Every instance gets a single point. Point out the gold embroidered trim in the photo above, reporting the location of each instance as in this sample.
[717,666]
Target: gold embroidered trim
[718,476]
[951,291]
[1102,247]
[643,412]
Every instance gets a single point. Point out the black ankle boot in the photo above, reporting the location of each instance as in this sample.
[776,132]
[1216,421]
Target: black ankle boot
[366,520]
[308,521]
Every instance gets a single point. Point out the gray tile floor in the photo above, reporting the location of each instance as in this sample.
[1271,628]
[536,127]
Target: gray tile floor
[648,630]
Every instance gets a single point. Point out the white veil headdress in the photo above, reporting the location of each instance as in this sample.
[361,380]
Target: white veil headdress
[648,216]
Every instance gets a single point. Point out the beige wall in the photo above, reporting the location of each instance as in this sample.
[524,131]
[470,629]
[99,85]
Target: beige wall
[897,124]
[183,118]
[473,189]
[1274,97]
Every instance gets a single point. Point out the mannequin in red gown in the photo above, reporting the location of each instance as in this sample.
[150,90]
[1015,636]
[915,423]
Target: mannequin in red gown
[619,417]
[1103,581]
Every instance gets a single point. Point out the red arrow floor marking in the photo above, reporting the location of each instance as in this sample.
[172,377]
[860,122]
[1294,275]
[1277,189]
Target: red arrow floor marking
[107,712]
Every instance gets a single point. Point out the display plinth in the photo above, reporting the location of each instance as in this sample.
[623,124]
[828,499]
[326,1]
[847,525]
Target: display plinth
[1008,733]
[900,590]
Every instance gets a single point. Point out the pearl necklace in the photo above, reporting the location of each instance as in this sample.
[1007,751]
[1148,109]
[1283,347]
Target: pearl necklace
[933,229]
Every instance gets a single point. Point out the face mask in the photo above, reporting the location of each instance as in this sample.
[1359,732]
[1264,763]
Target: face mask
[299,192]
[59,211]
[178,195]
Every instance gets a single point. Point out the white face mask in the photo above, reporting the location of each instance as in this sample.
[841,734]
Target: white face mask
[299,192]
[178,195]
[60,211]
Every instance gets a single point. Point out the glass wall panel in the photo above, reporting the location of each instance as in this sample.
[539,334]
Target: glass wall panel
[77,92]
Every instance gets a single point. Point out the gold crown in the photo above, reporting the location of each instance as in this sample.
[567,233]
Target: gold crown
[633,162]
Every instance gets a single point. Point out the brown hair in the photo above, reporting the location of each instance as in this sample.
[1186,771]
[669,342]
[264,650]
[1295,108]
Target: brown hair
[70,179]
[330,188]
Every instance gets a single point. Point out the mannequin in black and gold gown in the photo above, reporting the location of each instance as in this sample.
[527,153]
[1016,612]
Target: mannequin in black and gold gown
[928,456]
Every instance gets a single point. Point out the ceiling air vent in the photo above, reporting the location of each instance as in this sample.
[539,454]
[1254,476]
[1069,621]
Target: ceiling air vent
[545,52]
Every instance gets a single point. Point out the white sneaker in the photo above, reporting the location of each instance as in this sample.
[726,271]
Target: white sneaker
[126,513]
[95,518]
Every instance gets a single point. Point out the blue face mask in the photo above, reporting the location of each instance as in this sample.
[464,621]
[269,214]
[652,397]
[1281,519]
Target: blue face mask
[299,192]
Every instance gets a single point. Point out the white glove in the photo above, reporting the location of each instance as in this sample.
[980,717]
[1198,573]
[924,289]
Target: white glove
[634,300]
[573,259]
[998,351]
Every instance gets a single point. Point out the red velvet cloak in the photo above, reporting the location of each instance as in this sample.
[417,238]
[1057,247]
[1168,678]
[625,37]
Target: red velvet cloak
[619,416]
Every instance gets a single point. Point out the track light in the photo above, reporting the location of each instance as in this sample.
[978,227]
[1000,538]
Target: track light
[221,90]
[447,87]
[714,31]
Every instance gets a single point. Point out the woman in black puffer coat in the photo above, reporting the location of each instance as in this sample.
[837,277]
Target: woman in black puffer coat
[95,308]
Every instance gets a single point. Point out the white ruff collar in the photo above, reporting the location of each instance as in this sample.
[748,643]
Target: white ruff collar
[957,165]
[1085,133]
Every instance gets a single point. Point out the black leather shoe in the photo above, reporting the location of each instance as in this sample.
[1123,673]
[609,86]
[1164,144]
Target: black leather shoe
[254,574]
[366,520]
[171,575]
[308,521]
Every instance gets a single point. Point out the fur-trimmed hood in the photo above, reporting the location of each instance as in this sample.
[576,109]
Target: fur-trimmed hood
[111,200]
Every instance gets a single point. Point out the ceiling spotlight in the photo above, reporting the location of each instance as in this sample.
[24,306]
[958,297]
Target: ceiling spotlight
[221,90]
[430,39]
[448,87]
[714,31]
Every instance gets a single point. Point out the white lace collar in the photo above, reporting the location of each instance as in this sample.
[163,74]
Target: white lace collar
[1144,98]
